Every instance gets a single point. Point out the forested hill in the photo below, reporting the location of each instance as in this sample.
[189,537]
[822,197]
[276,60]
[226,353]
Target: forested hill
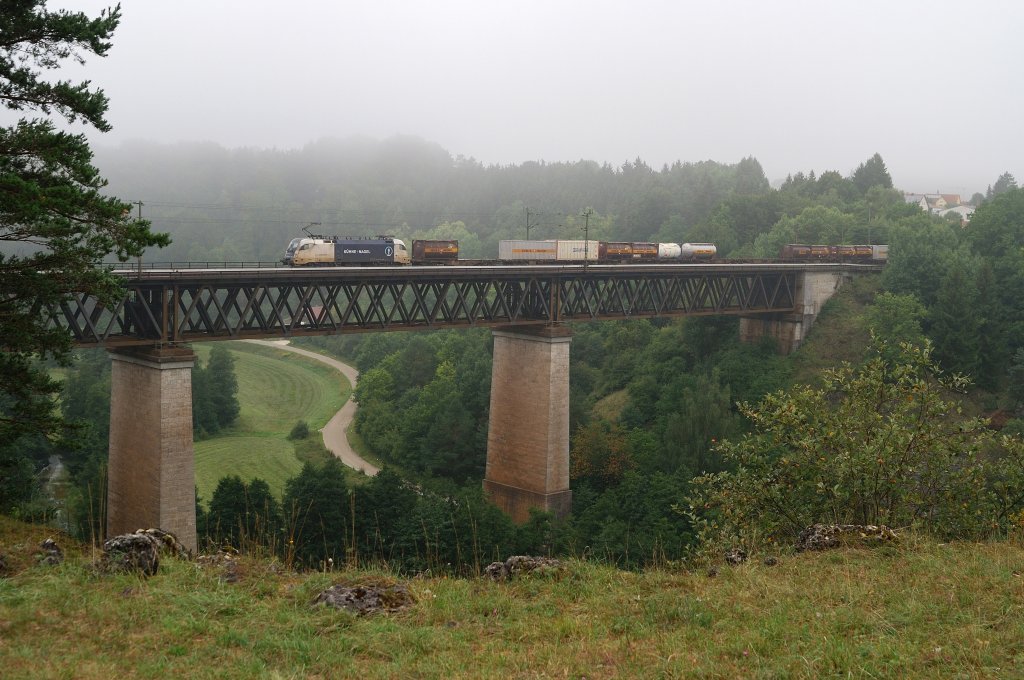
[653,402]
[247,204]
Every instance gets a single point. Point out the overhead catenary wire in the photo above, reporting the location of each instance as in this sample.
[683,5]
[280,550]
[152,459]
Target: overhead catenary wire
[412,219]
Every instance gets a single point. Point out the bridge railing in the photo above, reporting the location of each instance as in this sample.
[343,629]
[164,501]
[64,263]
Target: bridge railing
[172,265]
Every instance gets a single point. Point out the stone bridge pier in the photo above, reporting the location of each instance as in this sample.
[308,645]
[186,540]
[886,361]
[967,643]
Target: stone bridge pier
[151,472]
[528,436]
[790,329]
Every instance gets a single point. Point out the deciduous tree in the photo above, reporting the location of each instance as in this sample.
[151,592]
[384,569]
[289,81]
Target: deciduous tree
[878,444]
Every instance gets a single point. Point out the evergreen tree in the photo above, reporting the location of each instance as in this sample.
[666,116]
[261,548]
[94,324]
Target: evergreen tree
[872,173]
[317,514]
[223,386]
[750,177]
[243,513]
[384,506]
[263,518]
[1015,389]
[1006,182]
[226,518]
[204,417]
[55,223]
[993,349]
[955,322]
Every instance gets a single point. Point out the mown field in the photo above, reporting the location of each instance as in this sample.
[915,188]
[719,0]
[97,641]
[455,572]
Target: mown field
[916,609]
[276,389]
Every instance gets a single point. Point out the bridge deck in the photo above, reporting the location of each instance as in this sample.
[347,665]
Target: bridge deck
[191,305]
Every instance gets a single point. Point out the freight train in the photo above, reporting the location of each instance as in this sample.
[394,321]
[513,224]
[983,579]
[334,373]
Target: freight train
[387,250]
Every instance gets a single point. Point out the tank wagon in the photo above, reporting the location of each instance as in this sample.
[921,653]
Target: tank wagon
[840,253]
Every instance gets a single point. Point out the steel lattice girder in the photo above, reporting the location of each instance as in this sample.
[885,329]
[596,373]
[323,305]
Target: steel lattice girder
[199,305]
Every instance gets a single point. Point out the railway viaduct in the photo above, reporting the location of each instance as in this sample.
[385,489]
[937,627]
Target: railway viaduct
[529,309]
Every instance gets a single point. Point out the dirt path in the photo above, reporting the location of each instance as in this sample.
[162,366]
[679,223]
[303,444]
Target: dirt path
[334,431]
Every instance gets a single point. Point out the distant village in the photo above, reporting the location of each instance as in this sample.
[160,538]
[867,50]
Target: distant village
[942,205]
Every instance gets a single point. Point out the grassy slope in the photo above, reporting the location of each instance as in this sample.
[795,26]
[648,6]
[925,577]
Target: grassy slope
[276,389]
[918,609]
[839,333]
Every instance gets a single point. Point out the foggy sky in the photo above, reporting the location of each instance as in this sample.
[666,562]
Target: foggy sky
[933,86]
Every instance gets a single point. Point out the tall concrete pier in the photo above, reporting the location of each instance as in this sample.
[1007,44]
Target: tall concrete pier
[789,329]
[528,437]
[151,478]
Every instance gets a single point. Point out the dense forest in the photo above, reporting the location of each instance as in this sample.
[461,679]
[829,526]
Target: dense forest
[651,400]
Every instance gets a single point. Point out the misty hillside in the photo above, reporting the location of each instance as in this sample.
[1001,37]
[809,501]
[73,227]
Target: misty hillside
[247,204]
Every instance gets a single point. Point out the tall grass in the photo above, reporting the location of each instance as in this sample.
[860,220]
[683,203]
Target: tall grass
[918,609]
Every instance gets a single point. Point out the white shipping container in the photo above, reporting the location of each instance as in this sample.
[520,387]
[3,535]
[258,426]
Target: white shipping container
[879,252]
[527,250]
[577,251]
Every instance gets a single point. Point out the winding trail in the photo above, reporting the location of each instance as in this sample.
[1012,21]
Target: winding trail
[334,431]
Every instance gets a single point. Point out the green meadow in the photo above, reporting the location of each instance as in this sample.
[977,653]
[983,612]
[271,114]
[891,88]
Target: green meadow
[276,389]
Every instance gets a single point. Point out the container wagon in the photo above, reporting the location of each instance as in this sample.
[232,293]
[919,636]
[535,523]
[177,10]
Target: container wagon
[435,252]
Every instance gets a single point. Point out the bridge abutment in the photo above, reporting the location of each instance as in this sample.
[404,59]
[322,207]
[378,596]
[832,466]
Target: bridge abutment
[790,329]
[151,471]
[528,435]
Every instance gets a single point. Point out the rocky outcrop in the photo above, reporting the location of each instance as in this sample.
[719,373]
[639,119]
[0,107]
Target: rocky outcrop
[131,553]
[169,544]
[826,536]
[366,599]
[140,551]
[49,553]
[224,560]
[736,556]
[521,565]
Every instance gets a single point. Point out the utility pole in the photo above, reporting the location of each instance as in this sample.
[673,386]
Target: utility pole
[528,224]
[586,235]
[140,204]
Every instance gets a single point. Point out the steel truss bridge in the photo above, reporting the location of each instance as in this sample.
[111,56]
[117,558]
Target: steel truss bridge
[193,305]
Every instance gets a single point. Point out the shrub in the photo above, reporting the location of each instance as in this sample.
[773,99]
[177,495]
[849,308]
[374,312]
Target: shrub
[300,431]
[879,444]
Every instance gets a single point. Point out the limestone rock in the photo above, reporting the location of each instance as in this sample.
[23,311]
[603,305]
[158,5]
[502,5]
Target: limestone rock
[168,543]
[519,565]
[826,536]
[131,552]
[736,556]
[49,553]
[367,599]
[226,561]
